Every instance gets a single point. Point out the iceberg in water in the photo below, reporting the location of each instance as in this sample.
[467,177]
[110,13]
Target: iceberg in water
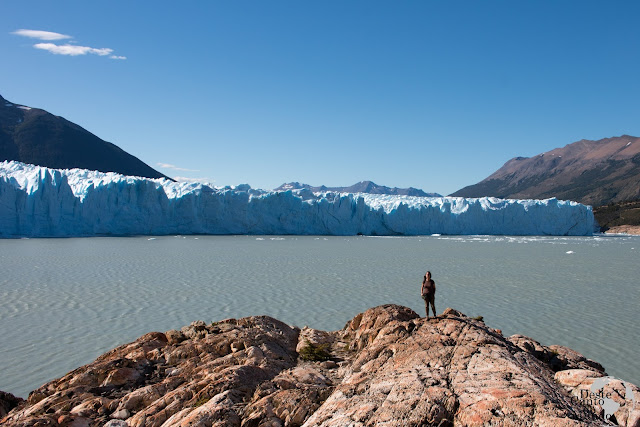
[42,202]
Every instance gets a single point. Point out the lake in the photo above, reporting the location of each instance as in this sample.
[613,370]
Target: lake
[63,302]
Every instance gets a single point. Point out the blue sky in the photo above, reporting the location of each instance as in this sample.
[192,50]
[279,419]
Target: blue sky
[430,94]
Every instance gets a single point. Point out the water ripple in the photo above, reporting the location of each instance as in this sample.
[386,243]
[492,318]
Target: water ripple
[64,302]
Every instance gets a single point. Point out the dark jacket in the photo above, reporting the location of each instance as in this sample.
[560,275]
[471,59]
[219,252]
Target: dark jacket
[428,287]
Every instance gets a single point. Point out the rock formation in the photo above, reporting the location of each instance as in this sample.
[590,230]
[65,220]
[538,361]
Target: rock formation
[7,402]
[386,367]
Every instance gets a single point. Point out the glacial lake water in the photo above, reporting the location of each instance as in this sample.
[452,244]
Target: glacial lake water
[63,302]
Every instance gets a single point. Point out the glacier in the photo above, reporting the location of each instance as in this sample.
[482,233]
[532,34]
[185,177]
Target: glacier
[42,202]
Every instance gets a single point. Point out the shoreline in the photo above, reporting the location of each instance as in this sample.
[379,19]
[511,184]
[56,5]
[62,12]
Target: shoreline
[632,230]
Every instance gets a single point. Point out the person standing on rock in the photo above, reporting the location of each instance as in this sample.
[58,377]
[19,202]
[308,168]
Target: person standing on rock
[429,293]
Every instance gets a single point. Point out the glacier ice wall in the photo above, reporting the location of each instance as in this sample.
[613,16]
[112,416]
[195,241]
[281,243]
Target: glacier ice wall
[42,202]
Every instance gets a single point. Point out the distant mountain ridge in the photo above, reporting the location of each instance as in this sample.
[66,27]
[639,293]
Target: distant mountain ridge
[589,172]
[35,136]
[360,187]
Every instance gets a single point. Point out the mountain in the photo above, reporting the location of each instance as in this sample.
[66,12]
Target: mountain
[360,187]
[590,172]
[31,135]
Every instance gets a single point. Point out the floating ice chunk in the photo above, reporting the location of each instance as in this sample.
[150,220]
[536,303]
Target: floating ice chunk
[570,252]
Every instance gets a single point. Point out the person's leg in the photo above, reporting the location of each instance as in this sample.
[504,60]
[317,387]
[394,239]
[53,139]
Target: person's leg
[433,306]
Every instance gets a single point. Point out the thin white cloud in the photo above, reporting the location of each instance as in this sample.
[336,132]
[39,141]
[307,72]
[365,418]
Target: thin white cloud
[72,50]
[199,180]
[41,35]
[176,168]
[64,49]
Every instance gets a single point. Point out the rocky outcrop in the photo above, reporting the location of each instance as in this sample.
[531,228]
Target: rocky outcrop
[7,402]
[612,399]
[387,366]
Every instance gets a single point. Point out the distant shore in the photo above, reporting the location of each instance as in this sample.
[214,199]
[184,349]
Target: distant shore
[624,229]
[618,218]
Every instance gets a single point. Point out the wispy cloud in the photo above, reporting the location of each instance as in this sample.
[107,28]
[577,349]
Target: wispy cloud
[41,35]
[199,180]
[64,49]
[175,168]
[72,50]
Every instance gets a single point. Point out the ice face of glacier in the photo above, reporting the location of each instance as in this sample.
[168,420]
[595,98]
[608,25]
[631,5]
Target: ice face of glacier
[41,202]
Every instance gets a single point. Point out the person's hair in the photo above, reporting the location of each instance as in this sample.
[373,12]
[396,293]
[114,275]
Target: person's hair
[424,279]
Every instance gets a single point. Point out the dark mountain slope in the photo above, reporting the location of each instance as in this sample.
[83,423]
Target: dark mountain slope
[32,135]
[616,214]
[590,172]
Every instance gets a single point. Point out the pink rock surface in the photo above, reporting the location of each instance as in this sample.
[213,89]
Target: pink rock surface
[388,367]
